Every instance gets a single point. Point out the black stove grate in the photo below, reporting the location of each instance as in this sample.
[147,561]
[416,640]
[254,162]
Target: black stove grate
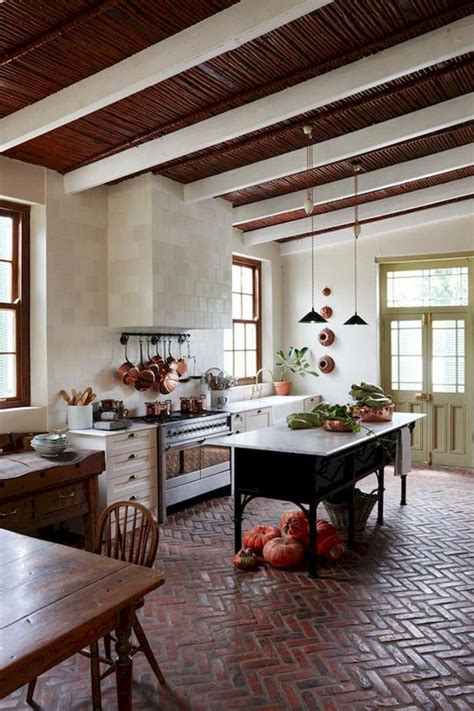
[175,417]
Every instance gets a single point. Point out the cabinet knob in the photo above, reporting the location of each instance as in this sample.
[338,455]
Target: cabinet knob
[132,477]
[132,456]
[131,435]
[133,498]
[258,412]
[67,496]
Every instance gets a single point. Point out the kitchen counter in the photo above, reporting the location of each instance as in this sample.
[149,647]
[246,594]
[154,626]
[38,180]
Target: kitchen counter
[316,441]
[109,433]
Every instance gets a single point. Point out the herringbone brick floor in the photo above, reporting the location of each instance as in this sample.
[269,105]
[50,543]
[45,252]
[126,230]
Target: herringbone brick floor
[389,626]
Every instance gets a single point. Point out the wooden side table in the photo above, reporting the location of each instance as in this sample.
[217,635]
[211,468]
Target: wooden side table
[37,492]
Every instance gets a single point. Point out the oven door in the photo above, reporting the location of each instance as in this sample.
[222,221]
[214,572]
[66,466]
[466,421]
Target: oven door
[190,462]
[194,469]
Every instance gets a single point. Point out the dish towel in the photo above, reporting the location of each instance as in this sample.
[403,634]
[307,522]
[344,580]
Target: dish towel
[403,454]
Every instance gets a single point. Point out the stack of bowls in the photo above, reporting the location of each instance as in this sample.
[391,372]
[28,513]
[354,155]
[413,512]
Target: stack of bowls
[50,445]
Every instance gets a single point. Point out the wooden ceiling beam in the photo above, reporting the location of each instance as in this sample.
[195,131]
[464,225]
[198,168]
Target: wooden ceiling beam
[329,220]
[199,43]
[433,47]
[407,220]
[396,130]
[405,172]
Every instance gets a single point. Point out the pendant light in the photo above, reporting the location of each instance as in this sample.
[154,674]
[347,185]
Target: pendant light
[356,320]
[312,316]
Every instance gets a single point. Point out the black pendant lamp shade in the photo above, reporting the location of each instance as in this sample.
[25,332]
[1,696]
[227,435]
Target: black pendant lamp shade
[356,320]
[312,316]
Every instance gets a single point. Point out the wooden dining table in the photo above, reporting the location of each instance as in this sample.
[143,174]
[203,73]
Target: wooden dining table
[56,600]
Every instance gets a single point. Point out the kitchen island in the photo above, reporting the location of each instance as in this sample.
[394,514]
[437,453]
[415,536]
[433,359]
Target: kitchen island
[307,466]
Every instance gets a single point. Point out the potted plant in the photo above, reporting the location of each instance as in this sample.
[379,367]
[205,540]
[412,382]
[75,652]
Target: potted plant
[294,362]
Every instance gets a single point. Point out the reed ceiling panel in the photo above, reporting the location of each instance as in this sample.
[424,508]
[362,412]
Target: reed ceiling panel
[340,33]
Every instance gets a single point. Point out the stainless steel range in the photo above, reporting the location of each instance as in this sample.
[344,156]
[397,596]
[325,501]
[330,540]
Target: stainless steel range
[188,464]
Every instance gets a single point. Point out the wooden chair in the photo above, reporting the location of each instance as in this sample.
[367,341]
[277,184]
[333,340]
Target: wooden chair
[125,531]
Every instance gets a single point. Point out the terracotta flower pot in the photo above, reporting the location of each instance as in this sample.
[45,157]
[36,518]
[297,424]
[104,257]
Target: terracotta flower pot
[282,387]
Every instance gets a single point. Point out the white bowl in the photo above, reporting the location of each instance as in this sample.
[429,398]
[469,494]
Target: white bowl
[49,444]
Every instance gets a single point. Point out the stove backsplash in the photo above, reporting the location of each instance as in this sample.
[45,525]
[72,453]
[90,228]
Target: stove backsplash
[205,345]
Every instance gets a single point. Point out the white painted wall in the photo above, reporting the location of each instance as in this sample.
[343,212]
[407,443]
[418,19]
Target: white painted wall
[72,343]
[356,348]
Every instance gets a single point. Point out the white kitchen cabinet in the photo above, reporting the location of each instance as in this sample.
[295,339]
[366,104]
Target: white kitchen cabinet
[131,464]
[251,420]
[310,402]
[257,419]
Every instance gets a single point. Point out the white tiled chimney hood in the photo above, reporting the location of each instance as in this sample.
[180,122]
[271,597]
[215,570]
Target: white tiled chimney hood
[169,262]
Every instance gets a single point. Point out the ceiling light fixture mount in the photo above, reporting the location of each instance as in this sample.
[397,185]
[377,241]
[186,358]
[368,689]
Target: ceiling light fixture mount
[312,316]
[356,320]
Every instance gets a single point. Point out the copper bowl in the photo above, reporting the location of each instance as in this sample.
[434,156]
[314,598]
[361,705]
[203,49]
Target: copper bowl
[340,425]
[378,414]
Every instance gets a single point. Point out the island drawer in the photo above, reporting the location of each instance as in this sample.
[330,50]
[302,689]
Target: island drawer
[122,487]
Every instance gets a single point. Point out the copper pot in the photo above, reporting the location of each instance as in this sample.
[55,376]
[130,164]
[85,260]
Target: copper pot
[151,364]
[127,372]
[169,382]
[171,360]
[146,377]
[152,409]
[182,365]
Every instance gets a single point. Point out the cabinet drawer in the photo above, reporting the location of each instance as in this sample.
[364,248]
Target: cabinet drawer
[238,422]
[256,419]
[147,497]
[49,502]
[127,484]
[17,515]
[310,402]
[127,464]
[131,442]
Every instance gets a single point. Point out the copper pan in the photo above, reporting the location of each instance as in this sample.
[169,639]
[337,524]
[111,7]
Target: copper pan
[169,382]
[171,360]
[182,365]
[146,377]
[127,372]
[151,364]
[160,363]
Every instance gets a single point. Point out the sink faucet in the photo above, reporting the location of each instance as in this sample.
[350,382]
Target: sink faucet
[257,388]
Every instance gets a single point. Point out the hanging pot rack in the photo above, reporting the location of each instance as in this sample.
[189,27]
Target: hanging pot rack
[154,336]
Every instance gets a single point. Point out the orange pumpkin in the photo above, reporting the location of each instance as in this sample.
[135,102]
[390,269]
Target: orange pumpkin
[294,524]
[245,559]
[329,544]
[256,537]
[283,552]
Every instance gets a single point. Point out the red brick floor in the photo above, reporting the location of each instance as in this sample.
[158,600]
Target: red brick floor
[390,626]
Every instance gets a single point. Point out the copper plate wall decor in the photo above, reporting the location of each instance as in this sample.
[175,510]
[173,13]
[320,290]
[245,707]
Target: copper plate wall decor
[326,337]
[326,312]
[326,364]
[326,291]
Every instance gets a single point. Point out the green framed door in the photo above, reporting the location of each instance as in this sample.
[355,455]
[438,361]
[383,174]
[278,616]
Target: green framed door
[404,374]
[449,388]
[427,353]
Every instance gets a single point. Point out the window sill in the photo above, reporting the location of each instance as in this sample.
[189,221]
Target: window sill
[23,419]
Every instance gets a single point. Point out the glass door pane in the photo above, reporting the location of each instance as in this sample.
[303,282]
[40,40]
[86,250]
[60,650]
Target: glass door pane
[447,360]
[406,339]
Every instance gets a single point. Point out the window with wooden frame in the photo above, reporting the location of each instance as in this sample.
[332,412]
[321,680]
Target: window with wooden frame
[14,305]
[242,343]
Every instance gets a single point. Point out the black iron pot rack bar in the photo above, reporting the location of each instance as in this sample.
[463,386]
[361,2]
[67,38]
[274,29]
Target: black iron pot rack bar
[153,336]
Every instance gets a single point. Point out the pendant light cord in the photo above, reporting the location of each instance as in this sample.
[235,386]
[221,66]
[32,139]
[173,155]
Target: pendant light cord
[356,229]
